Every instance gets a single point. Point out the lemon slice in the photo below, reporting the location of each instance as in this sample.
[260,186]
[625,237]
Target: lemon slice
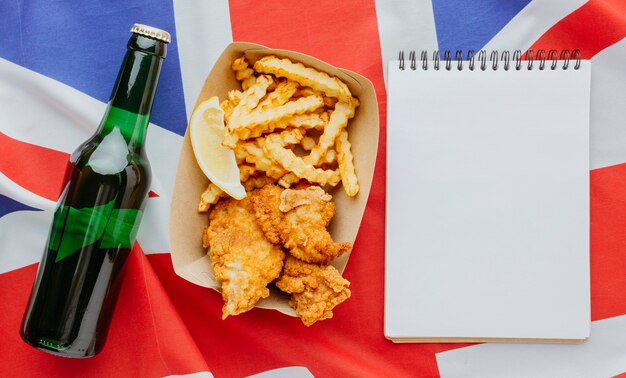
[218,163]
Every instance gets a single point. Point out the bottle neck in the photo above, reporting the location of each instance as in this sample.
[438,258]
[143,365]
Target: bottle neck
[133,94]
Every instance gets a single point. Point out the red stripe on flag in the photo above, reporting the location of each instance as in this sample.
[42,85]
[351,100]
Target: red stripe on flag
[35,168]
[147,337]
[344,35]
[349,345]
[591,28]
[352,343]
[608,242]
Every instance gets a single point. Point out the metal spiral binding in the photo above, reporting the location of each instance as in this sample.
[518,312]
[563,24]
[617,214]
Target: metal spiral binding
[504,60]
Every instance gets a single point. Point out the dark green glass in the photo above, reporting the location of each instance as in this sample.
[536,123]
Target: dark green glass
[97,216]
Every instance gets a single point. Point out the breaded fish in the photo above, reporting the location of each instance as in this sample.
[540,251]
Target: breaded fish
[297,219]
[243,260]
[315,290]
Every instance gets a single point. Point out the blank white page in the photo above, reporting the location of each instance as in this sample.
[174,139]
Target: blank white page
[487,228]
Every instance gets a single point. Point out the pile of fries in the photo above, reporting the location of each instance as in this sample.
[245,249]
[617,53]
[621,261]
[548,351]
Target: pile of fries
[288,123]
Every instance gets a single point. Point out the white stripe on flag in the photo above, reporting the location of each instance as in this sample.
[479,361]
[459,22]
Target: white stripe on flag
[23,234]
[12,190]
[154,231]
[531,23]
[202,374]
[608,107]
[202,31]
[405,25]
[292,372]
[163,149]
[42,111]
[603,355]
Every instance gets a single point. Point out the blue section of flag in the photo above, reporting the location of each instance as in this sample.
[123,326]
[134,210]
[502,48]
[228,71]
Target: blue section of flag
[8,205]
[10,48]
[82,44]
[470,24]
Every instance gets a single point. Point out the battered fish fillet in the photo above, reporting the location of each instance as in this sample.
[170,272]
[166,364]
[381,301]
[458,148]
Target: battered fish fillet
[315,290]
[266,203]
[243,260]
[297,219]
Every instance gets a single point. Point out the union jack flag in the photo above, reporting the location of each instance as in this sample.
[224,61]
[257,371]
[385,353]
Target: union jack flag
[58,61]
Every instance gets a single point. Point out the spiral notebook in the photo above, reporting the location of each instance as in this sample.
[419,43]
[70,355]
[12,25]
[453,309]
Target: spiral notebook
[487,229]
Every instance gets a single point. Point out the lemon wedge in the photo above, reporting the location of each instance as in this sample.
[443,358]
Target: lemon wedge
[218,163]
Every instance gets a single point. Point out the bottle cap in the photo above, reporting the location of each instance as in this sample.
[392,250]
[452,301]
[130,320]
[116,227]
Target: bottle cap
[151,32]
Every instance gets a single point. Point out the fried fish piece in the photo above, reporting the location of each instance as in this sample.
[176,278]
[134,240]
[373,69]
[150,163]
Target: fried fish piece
[266,203]
[315,290]
[297,219]
[243,260]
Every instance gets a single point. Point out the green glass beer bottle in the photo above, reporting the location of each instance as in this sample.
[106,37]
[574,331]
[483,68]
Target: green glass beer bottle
[98,213]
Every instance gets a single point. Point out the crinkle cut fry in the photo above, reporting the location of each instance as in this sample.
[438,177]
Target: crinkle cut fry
[250,99]
[255,155]
[255,118]
[229,104]
[209,197]
[305,76]
[303,121]
[283,92]
[239,64]
[257,182]
[329,158]
[288,160]
[213,193]
[345,160]
[248,82]
[250,179]
[243,73]
[307,143]
[246,171]
[253,152]
[289,137]
[287,180]
[338,121]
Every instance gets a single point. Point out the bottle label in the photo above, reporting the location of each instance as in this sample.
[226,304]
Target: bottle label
[73,228]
